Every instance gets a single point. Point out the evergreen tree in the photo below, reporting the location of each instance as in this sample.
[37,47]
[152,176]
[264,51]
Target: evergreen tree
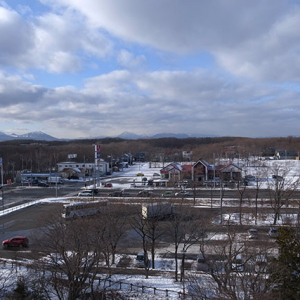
[285,274]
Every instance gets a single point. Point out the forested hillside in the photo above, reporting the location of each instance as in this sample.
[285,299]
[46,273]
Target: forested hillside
[40,156]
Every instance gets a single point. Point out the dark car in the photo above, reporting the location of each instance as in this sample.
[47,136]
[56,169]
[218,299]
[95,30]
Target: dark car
[16,241]
[277,177]
[115,194]
[44,184]
[145,193]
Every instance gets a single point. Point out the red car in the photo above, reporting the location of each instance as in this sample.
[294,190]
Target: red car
[16,241]
[108,184]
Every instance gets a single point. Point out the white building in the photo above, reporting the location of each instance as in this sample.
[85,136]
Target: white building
[70,168]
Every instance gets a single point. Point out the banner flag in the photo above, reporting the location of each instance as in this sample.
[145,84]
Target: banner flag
[98,147]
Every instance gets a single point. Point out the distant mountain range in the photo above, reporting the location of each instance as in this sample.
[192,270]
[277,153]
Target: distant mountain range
[36,135]
[41,136]
[133,136]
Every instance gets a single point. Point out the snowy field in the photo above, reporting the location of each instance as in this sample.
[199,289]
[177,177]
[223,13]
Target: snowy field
[166,288]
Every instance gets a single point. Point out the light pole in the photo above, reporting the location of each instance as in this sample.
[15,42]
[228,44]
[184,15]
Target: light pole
[111,163]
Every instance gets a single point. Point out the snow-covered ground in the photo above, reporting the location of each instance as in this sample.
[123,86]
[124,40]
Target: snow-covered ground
[263,169]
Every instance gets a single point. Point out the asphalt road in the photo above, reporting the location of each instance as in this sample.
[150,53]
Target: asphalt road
[17,194]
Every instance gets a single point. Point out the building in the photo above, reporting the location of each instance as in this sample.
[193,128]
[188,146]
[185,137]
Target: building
[187,155]
[287,154]
[203,172]
[230,172]
[171,172]
[74,169]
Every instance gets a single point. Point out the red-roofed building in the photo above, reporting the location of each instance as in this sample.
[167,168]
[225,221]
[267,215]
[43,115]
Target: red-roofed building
[176,172]
[203,172]
[231,172]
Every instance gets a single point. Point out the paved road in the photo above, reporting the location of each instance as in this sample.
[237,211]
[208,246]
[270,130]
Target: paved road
[16,194]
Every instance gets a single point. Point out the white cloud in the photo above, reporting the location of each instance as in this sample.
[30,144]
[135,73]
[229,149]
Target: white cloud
[254,45]
[15,36]
[51,42]
[128,60]
[249,38]
[156,101]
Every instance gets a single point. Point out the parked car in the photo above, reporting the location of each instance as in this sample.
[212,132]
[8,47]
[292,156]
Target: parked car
[150,182]
[16,241]
[141,261]
[115,194]
[167,194]
[182,193]
[86,193]
[252,233]
[238,264]
[277,177]
[201,264]
[43,184]
[144,193]
[125,193]
[140,174]
[108,184]
[273,232]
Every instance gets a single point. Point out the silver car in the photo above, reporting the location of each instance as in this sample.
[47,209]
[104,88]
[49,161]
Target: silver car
[273,232]
[252,233]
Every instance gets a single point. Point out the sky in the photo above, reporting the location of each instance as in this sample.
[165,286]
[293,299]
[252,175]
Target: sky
[73,68]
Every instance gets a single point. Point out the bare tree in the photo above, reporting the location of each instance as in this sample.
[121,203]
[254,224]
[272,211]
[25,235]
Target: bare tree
[154,231]
[281,188]
[233,270]
[185,229]
[110,227]
[241,189]
[7,278]
[71,256]
[139,225]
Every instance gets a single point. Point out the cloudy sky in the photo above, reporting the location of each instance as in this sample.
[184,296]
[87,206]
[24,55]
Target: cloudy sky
[74,68]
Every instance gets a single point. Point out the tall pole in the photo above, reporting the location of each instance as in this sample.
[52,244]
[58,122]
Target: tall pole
[1,171]
[97,161]
[214,172]
[96,167]
[2,192]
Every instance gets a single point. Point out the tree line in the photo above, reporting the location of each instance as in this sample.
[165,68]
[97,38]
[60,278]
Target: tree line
[43,156]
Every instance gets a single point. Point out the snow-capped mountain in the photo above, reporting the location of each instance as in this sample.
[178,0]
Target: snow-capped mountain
[133,136]
[35,135]
[41,136]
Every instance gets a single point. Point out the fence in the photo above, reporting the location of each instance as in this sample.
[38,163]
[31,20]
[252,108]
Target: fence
[130,287]
[107,284]
[18,207]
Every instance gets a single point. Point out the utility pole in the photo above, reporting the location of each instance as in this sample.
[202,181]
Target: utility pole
[1,162]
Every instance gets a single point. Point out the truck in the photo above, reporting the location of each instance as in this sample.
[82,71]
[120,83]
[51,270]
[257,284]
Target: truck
[157,210]
[55,179]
